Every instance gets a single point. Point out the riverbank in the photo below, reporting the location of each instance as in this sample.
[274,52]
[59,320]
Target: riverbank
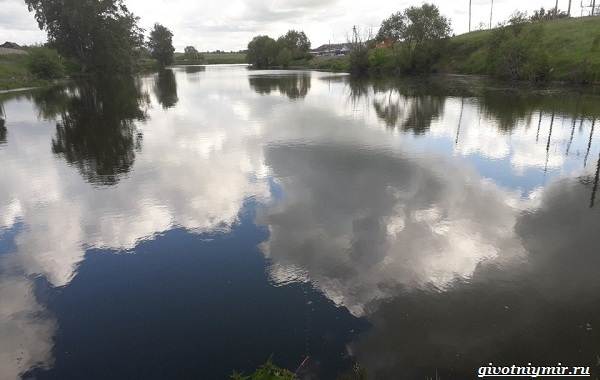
[212,59]
[572,48]
[14,73]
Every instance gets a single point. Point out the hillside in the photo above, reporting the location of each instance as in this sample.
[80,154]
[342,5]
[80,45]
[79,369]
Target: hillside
[568,43]
[14,73]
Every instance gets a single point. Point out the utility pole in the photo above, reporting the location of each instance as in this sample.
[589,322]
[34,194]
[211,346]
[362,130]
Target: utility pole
[569,11]
[491,13]
[556,8]
[470,4]
[593,7]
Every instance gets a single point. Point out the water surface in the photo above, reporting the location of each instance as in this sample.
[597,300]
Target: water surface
[201,220]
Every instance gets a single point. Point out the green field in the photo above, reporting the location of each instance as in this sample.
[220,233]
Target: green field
[212,59]
[568,43]
[14,73]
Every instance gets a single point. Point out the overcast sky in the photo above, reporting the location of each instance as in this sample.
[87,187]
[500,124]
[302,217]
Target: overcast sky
[229,25]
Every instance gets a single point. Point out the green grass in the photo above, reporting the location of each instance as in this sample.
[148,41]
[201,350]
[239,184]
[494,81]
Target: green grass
[568,42]
[335,64]
[14,73]
[212,59]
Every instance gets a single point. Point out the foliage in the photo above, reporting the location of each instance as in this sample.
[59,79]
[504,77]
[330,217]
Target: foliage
[415,25]
[359,53]
[45,63]
[296,42]
[191,54]
[262,52]
[392,28]
[547,15]
[14,73]
[419,33]
[568,44]
[160,45]
[518,18]
[102,36]
[284,57]
[515,54]
[268,371]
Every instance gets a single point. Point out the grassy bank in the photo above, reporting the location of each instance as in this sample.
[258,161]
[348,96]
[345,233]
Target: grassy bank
[212,59]
[334,64]
[14,73]
[571,45]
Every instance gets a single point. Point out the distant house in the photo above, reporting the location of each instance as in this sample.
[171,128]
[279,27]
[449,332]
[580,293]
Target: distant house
[11,48]
[331,50]
[10,45]
[385,44]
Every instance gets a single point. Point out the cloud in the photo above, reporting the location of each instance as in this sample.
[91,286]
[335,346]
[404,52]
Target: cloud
[543,309]
[211,25]
[366,222]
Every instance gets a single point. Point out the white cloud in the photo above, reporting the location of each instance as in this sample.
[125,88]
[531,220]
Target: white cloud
[211,25]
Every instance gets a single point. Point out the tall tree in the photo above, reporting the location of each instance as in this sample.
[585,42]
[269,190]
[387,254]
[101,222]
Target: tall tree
[102,36]
[161,45]
[262,51]
[415,25]
[191,53]
[392,28]
[296,42]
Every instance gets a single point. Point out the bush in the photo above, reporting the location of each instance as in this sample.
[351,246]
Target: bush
[514,53]
[45,63]
[381,61]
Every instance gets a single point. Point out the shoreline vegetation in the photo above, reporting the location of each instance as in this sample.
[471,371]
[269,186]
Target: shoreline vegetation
[548,46]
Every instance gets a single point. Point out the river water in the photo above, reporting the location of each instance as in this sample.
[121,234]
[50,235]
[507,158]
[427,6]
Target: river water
[199,221]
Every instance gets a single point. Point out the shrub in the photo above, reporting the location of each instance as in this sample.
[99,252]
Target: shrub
[381,61]
[514,53]
[45,63]
[359,59]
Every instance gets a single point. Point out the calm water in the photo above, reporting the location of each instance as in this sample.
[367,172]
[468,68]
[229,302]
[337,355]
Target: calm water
[199,221]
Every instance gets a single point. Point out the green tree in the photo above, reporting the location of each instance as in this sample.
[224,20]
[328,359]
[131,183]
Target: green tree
[45,63]
[262,52]
[191,54]
[102,36]
[392,28]
[284,57]
[420,33]
[296,42]
[160,45]
[425,23]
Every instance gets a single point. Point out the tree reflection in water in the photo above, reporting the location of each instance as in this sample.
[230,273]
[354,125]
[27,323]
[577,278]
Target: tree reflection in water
[96,130]
[294,86]
[165,89]
[2,125]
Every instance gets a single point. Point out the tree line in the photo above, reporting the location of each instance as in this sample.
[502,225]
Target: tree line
[417,40]
[264,51]
[100,37]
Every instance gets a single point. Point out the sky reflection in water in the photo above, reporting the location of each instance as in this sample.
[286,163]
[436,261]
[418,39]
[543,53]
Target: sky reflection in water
[198,220]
